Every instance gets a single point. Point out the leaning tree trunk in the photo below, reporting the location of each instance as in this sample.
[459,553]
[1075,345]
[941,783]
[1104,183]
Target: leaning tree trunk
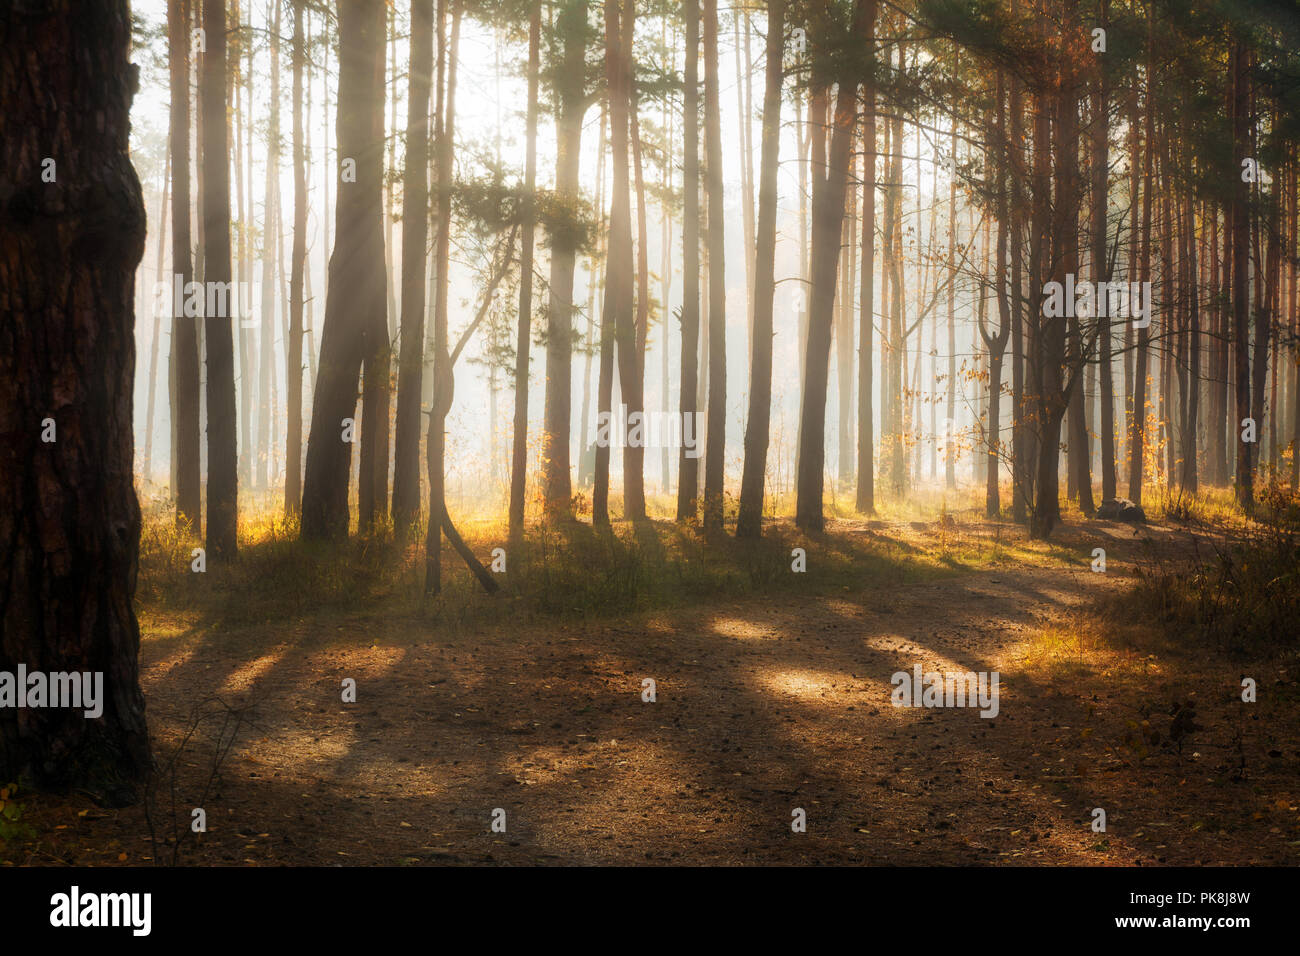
[355,298]
[72,232]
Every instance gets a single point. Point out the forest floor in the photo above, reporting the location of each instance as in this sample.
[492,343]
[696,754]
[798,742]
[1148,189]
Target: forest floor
[773,692]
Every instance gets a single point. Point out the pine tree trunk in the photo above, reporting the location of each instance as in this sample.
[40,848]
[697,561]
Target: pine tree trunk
[69,519]
[688,471]
[185,338]
[266,341]
[415,235]
[827,215]
[443,384]
[1137,424]
[519,450]
[1100,262]
[376,388]
[157,306]
[355,298]
[866,484]
[749,522]
[557,485]
[223,483]
[715,439]
[1239,216]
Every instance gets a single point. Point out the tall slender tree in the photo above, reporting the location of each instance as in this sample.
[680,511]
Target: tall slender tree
[185,335]
[223,480]
[688,469]
[519,448]
[415,235]
[716,427]
[749,521]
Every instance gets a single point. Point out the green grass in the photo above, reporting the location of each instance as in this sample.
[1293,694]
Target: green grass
[565,571]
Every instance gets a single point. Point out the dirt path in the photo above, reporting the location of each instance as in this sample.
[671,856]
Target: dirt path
[762,707]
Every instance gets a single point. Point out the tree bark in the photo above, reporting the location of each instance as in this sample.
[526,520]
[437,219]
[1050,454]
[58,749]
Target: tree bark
[716,434]
[69,519]
[415,236]
[185,335]
[557,483]
[223,482]
[749,521]
[355,299]
[519,449]
[827,214]
[866,485]
[688,470]
[297,267]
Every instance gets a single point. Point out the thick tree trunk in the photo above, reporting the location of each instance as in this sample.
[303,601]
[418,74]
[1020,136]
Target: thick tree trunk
[355,300]
[377,358]
[827,214]
[69,520]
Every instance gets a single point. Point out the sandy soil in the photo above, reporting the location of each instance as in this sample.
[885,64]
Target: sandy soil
[762,707]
